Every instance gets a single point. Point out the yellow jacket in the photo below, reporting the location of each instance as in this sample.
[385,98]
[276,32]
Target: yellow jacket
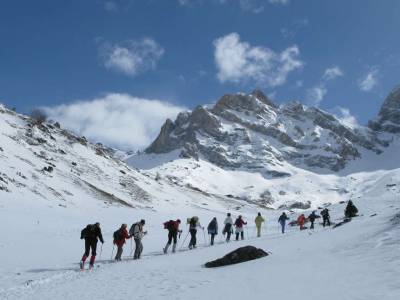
[259,220]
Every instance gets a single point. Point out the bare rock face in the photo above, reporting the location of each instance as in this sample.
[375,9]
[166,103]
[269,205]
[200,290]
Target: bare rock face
[251,132]
[389,115]
[240,255]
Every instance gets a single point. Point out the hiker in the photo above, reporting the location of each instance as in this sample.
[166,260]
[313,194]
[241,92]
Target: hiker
[351,210]
[137,232]
[239,227]
[119,239]
[194,223]
[91,233]
[212,229]
[173,229]
[301,220]
[312,218]
[259,220]
[325,217]
[282,220]
[228,227]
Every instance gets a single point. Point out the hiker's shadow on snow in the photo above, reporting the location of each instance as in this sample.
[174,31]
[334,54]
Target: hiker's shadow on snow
[49,270]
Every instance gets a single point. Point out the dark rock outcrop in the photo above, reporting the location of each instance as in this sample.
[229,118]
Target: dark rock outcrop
[389,115]
[240,255]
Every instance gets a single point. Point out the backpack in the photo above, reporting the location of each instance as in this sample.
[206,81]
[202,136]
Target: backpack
[85,233]
[117,235]
[169,225]
[132,229]
[193,222]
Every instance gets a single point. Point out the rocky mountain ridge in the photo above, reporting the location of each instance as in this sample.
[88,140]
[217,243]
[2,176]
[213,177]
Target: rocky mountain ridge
[251,132]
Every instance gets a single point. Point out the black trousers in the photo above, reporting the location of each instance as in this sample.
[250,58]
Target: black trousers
[212,238]
[90,243]
[172,235]
[312,225]
[193,240]
[326,221]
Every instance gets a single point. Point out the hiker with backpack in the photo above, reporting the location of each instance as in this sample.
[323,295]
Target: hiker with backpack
[137,232]
[119,239]
[173,229]
[212,229]
[228,227]
[239,228]
[301,220]
[259,220]
[351,210]
[91,233]
[326,218]
[194,223]
[282,221]
[312,217]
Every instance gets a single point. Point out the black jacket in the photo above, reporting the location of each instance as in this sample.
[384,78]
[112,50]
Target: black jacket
[92,232]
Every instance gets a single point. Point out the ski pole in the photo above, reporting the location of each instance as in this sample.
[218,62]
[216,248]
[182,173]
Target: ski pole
[112,252]
[101,250]
[247,231]
[131,247]
[204,235]
[184,241]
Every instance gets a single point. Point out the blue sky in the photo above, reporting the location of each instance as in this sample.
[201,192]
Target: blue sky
[113,56]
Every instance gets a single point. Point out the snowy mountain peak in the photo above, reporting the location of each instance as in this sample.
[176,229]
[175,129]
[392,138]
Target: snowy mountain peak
[251,132]
[389,115]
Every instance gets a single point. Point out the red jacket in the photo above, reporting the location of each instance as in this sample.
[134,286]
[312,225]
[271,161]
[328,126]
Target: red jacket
[301,220]
[239,223]
[124,235]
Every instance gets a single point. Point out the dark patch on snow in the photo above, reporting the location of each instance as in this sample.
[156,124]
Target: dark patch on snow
[395,220]
[240,255]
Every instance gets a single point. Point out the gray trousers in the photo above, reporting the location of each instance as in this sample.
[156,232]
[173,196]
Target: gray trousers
[138,248]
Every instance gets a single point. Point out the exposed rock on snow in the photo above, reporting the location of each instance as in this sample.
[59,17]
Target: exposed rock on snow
[240,255]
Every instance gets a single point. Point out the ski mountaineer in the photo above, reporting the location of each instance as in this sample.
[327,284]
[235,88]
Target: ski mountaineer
[119,239]
[351,210]
[228,224]
[239,227]
[91,233]
[173,229]
[282,220]
[212,229]
[326,217]
[301,220]
[194,223]
[312,218]
[259,220]
[137,232]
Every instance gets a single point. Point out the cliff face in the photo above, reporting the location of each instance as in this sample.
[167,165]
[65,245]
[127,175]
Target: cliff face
[251,132]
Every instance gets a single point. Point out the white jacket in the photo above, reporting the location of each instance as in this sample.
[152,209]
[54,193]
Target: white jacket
[228,220]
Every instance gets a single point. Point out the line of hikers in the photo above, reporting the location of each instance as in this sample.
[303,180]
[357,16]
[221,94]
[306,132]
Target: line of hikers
[92,232]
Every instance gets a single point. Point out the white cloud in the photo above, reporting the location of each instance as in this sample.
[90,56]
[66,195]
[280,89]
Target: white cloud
[110,6]
[284,2]
[239,62]
[369,80]
[316,94]
[117,120]
[132,56]
[251,5]
[344,115]
[332,73]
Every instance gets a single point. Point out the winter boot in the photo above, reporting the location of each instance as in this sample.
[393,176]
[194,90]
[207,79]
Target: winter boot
[91,263]
[173,248]
[82,265]
[166,248]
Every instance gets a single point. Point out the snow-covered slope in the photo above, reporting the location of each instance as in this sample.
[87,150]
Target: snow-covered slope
[358,260]
[53,183]
[245,147]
